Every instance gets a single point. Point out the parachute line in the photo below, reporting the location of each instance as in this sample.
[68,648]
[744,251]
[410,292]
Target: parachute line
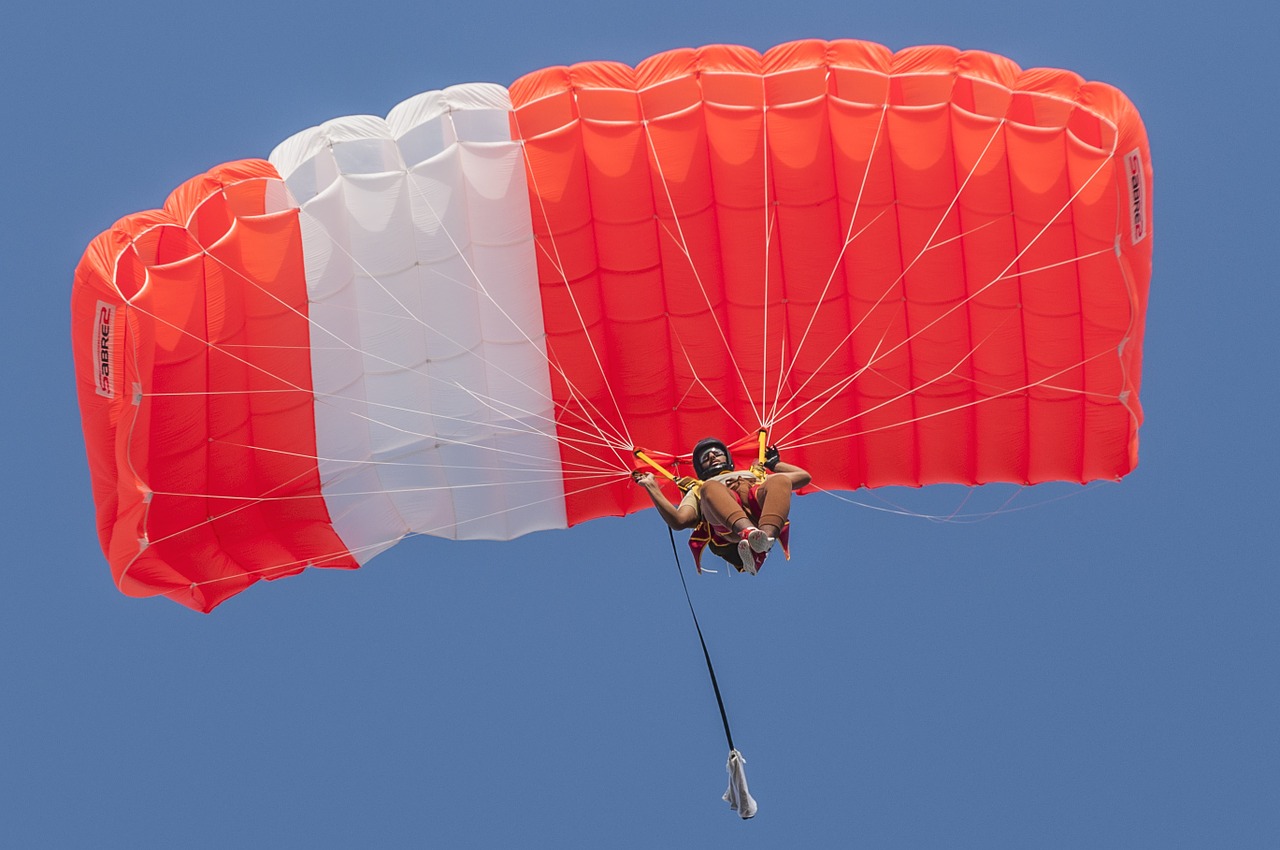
[370,548]
[681,243]
[849,237]
[831,391]
[956,516]
[627,442]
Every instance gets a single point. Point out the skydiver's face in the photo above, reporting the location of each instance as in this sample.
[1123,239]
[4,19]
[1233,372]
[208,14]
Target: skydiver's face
[711,458]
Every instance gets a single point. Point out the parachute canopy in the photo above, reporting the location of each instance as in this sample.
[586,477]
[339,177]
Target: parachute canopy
[461,320]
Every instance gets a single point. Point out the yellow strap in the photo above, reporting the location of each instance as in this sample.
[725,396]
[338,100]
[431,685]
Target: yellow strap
[758,467]
[685,484]
[639,453]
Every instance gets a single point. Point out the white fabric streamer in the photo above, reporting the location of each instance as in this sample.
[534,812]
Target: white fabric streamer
[738,797]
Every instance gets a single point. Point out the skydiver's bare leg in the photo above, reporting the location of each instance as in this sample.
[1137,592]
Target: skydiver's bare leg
[775,504]
[721,507]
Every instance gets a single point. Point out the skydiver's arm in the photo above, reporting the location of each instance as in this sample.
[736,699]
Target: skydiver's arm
[678,517]
[799,478]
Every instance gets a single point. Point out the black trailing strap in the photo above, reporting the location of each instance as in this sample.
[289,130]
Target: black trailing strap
[724,718]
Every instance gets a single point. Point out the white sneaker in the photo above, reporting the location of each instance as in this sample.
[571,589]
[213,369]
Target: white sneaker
[747,555]
[760,542]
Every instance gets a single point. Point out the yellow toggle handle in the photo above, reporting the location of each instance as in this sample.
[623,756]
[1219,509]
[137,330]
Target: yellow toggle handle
[639,453]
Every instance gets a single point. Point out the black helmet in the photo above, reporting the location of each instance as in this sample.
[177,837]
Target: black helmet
[705,472]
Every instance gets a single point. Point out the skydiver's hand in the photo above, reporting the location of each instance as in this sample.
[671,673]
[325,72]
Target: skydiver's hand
[644,479]
[771,458]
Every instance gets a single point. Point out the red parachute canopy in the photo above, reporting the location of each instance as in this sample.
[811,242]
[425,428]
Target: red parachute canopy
[911,268]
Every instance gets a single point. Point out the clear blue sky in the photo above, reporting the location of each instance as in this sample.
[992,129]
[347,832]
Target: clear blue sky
[1096,671]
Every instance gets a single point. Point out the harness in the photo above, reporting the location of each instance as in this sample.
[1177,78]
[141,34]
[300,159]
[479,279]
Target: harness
[724,541]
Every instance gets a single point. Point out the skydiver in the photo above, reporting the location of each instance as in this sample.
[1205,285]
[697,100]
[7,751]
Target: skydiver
[739,514]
